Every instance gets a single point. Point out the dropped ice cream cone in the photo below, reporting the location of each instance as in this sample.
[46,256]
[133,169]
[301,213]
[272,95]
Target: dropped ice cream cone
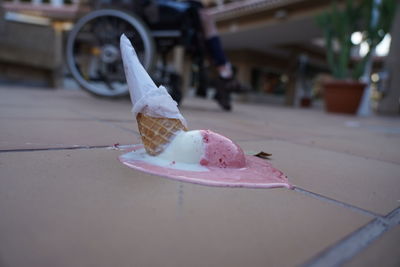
[157,114]
[199,156]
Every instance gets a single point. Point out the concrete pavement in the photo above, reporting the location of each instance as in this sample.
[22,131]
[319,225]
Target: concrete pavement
[65,200]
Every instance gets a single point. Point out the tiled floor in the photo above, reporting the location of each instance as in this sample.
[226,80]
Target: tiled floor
[65,200]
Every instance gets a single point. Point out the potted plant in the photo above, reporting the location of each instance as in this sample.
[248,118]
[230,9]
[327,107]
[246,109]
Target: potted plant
[373,18]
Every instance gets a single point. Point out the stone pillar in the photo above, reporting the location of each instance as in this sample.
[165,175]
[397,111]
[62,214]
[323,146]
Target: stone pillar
[186,75]
[2,21]
[390,103]
[178,59]
[244,73]
[178,63]
[290,94]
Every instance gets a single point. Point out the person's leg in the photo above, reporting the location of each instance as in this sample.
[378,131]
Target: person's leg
[226,82]
[223,67]
[214,45]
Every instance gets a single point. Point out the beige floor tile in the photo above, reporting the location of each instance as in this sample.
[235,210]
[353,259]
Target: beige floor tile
[369,184]
[380,146]
[369,137]
[110,110]
[382,252]
[55,133]
[36,97]
[374,146]
[37,113]
[78,102]
[84,208]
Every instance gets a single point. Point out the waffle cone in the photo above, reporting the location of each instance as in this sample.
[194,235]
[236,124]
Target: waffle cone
[157,132]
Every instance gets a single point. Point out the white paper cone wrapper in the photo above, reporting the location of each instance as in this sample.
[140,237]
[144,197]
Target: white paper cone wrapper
[146,97]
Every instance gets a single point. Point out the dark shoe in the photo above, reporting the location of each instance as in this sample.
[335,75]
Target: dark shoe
[223,94]
[201,92]
[233,85]
[223,101]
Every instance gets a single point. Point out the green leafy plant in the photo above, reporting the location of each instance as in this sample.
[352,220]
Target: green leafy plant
[340,22]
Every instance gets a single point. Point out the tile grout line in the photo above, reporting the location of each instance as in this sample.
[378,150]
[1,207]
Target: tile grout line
[67,119]
[394,217]
[337,202]
[350,246]
[52,149]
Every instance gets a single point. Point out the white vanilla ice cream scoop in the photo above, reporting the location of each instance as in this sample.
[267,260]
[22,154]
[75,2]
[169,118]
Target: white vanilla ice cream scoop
[186,147]
[205,148]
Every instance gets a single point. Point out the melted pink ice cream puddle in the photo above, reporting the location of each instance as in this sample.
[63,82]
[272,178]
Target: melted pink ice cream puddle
[253,173]
[210,158]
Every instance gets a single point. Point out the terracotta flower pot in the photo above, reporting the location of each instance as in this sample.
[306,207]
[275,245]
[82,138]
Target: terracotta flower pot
[343,96]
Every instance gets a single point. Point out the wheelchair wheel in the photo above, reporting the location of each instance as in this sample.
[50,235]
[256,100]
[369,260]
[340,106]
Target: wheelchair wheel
[93,53]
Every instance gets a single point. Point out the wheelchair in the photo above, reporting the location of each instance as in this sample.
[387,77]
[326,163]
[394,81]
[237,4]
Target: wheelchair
[154,27]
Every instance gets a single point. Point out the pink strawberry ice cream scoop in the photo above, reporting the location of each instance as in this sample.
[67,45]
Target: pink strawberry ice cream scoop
[221,152]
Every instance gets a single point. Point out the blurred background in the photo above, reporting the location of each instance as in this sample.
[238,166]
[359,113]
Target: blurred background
[277,49]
